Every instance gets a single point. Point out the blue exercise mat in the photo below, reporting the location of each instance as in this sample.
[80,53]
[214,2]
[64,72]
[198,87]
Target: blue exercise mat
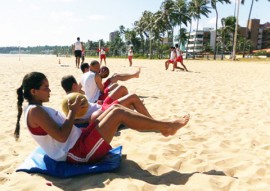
[39,162]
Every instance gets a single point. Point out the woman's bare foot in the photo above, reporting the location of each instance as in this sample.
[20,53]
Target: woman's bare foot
[175,126]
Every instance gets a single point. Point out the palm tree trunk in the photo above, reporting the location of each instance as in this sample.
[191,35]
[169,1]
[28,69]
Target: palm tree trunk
[235,32]
[188,39]
[247,30]
[215,46]
[195,38]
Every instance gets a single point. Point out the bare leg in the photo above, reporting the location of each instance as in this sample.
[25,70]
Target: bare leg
[109,122]
[125,77]
[184,66]
[118,92]
[130,61]
[166,65]
[77,62]
[105,61]
[134,101]
[112,87]
[177,67]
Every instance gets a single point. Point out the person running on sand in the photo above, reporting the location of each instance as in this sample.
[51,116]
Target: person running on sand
[179,58]
[172,58]
[61,140]
[132,101]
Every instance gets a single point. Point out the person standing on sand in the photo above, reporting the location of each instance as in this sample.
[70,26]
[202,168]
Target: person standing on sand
[102,55]
[130,55]
[77,49]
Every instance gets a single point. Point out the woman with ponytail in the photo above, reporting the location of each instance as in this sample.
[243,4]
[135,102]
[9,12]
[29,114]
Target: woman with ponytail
[61,140]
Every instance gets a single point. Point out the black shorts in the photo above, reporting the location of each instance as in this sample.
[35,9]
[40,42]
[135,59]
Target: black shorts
[78,53]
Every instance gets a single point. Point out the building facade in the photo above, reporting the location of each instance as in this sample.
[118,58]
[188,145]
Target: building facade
[113,35]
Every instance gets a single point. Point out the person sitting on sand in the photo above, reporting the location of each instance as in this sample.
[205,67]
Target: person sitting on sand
[61,140]
[91,82]
[70,85]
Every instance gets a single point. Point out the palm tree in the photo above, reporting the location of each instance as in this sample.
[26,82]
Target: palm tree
[228,25]
[198,7]
[247,29]
[214,6]
[182,12]
[145,25]
[170,16]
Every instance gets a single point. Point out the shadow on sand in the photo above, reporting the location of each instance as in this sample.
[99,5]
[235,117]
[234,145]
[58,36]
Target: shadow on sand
[99,180]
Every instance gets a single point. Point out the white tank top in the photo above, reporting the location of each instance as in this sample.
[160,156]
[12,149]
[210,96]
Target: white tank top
[102,51]
[53,148]
[78,45]
[130,52]
[172,57]
[90,87]
[178,52]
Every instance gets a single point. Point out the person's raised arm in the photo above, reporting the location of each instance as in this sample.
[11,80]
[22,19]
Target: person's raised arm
[99,83]
[38,117]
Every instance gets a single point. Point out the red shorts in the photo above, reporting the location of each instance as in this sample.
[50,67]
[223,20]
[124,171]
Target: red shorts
[179,59]
[108,102]
[129,57]
[107,83]
[103,56]
[89,148]
[104,95]
[170,61]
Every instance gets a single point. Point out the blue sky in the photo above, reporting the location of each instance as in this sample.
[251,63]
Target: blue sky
[59,22]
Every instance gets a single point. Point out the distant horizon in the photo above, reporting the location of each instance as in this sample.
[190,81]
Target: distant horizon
[60,22]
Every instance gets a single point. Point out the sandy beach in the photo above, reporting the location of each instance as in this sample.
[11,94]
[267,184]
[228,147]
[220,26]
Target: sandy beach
[225,146]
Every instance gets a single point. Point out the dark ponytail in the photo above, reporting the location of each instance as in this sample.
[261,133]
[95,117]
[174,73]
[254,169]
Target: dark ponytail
[19,106]
[31,80]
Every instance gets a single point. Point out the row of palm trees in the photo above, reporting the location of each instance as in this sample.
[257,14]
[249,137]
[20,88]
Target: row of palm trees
[151,29]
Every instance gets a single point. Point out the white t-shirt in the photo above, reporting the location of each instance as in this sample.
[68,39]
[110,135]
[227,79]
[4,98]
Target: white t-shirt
[78,45]
[90,87]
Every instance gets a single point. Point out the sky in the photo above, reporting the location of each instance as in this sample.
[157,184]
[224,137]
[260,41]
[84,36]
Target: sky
[59,22]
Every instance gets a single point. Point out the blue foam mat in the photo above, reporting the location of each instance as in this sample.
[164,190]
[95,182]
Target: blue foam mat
[39,162]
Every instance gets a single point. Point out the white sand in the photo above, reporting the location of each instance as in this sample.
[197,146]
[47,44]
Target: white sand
[225,146]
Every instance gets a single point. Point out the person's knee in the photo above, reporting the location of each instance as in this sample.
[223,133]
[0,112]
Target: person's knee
[134,97]
[123,89]
[117,109]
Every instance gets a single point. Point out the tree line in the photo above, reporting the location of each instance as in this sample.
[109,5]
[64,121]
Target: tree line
[153,33]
